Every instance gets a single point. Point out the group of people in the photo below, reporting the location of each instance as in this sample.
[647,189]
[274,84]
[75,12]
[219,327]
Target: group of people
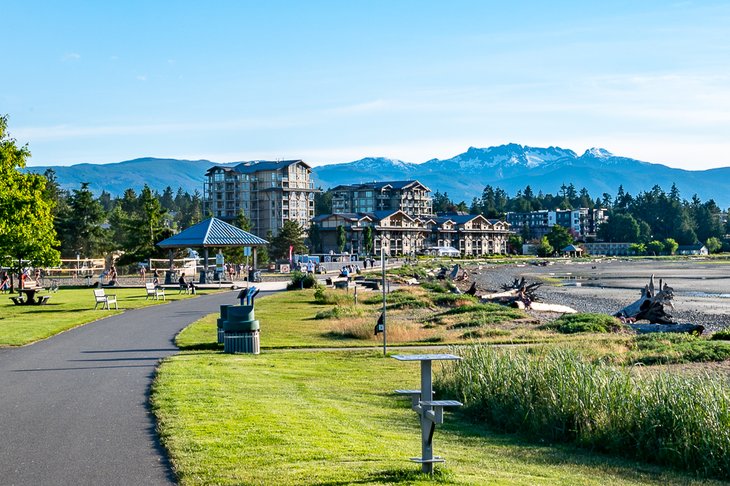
[184,284]
[371,261]
[234,270]
[309,267]
[23,278]
[349,270]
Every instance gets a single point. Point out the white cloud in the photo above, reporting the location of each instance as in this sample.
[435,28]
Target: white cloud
[71,56]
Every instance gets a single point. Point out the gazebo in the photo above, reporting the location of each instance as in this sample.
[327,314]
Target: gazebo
[573,251]
[212,233]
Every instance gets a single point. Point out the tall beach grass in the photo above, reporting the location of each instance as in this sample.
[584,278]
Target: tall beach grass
[671,419]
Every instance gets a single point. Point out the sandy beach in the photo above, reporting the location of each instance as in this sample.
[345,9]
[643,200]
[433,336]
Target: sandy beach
[701,287]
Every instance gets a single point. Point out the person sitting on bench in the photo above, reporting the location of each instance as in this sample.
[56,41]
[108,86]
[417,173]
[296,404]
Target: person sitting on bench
[186,286]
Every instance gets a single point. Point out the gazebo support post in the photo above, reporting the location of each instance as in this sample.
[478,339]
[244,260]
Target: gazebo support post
[170,268]
[204,275]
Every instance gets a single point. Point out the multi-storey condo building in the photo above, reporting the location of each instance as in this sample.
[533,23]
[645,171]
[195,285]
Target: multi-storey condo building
[268,193]
[396,233]
[411,197]
[583,222]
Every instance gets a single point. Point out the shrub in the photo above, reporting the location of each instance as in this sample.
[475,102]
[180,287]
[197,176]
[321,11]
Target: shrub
[485,308]
[340,311]
[721,336]
[484,333]
[669,348]
[444,300]
[574,323]
[435,287]
[666,418]
[400,299]
[332,297]
[301,280]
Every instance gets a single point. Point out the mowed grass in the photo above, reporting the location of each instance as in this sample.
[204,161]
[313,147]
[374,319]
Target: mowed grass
[290,320]
[331,418]
[67,308]
[287,321]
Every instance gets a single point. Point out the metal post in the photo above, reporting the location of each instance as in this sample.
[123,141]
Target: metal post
[426,422]
[382,264]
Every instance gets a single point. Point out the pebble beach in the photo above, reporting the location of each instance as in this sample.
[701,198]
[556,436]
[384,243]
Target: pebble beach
[701,287]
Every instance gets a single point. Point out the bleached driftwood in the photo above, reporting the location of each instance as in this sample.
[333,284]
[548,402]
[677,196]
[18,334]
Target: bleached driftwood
[650,306]
[522,295]
[543,307]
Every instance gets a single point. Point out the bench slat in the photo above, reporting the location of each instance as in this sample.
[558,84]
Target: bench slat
[440,403]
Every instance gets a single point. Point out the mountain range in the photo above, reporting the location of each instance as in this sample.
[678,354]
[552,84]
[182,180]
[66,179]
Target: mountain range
[510,166]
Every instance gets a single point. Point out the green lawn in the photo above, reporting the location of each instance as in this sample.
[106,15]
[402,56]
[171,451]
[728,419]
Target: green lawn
[288,417]
[287,321]
[66,309]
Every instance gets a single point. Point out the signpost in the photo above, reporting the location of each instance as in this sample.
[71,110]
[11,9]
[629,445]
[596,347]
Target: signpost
[382,264]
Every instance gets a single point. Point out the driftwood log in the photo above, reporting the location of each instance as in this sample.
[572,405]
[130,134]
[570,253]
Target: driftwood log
[650,306]
[523,295]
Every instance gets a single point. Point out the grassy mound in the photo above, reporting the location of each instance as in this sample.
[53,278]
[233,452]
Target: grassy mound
[575,323]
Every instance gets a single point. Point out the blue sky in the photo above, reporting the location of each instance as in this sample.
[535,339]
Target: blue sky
[336,81]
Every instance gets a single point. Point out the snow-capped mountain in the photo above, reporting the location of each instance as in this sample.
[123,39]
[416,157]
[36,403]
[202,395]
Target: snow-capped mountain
[463,177]
[513,166]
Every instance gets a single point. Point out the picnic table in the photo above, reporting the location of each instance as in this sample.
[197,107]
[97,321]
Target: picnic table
[30,296]
[430,411]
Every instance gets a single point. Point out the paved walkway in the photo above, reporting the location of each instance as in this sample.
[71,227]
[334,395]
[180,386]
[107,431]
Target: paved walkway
[74,408]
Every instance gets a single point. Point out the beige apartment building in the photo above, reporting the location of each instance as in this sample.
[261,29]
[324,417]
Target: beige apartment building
[397,233]
[268,193]
[411,197]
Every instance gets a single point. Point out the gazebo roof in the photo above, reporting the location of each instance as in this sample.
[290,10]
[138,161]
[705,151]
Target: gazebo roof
[212,233]
[570,248]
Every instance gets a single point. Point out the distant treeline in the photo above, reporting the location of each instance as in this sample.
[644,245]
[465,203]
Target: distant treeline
[647,216]
[87,225]
[654,215]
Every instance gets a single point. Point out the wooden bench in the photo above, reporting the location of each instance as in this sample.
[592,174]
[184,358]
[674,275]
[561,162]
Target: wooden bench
[154,291]
[101,298]
[43,299]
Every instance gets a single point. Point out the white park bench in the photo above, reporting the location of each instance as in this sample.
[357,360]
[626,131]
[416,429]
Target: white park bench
[154,291]
[101,298]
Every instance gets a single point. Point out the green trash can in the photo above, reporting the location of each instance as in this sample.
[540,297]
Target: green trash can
[241,330]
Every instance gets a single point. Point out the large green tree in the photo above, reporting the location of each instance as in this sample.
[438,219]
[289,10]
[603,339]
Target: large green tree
[291,235]
[619,228]
[559,237]
[26,218]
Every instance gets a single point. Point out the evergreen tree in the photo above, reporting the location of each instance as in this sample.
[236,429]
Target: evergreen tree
[105,200]
[369,237]
[291,234]
[81,231]
[167,200]
[341,238]
[315,238]
[322,202]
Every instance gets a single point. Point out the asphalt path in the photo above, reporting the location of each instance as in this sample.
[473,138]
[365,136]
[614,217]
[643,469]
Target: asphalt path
[74,409]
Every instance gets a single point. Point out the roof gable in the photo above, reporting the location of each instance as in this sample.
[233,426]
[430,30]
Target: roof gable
[212,233]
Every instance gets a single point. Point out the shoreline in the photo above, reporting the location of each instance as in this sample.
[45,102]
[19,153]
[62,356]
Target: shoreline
[701,290]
